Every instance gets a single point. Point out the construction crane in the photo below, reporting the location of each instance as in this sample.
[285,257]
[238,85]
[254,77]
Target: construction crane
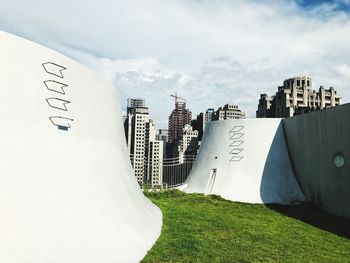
[176,98]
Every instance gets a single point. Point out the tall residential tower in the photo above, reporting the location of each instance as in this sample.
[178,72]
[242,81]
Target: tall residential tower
[296,96]
[146,153]
[178,118]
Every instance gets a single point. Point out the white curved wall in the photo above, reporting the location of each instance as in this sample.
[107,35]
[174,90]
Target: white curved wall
[251,162]
[68,194]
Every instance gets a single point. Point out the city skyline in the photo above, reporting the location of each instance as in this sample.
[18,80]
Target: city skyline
[304,107]
[210,52]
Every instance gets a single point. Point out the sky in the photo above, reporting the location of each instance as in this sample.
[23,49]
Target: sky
[210,52]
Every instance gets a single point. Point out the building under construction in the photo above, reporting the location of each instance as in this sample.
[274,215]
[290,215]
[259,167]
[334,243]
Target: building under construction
[178,118]
[181,148]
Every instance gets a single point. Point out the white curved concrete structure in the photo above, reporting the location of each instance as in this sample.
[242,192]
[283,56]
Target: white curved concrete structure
[244,160]
[67,192]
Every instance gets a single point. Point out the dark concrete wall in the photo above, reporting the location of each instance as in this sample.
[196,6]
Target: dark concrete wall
[313,140]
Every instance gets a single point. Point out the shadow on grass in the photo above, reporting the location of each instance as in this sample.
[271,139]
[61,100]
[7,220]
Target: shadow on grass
[312,215]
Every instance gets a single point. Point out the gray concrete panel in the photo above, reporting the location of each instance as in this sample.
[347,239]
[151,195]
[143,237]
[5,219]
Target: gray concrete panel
[313,141]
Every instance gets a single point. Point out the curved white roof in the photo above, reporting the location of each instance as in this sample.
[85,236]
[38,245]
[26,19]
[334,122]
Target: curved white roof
[245,160]
[67,192]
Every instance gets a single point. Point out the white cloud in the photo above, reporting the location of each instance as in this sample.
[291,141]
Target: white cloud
[210,52]
[344,71]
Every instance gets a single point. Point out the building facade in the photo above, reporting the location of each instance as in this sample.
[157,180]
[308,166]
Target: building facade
[294,97]
[155,164]
[178,118]
[229,111]
[162,135]
[208,115]
[146,152]
[201,120]
[198,125]
[188,145]
[135,103]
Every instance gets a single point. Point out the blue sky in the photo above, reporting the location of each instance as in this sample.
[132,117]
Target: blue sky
[340,5]
[208,51]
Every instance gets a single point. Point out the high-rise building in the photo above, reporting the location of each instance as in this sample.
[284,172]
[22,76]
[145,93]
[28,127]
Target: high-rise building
[136,133]
[294,97]
[163,136]
[188,145]
[201,120]
[146,153]
[135,103]
[197,124]
[229,111]
[155,164]
[178,118]
[264,107]
[208,115]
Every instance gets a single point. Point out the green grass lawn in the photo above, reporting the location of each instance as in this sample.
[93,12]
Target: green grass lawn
[198,228]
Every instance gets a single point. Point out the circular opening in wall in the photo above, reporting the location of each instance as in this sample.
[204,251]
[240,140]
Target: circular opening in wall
[339,160]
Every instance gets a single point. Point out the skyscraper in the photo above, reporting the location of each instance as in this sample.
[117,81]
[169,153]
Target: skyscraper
[146,153]
[178,118]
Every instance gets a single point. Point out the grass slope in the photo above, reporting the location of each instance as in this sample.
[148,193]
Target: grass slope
[199,228]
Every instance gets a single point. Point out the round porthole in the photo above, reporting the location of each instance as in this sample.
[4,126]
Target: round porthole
[339,160]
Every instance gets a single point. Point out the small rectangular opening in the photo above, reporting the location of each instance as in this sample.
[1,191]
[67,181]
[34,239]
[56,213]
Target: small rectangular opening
[64,128]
